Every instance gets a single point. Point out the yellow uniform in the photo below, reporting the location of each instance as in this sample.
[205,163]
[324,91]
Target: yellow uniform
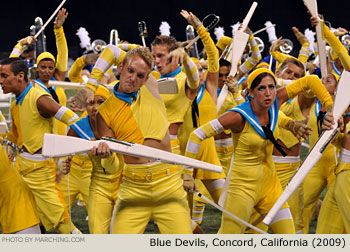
[79,180]
[151,190]
[253,181]
[334,215]
[321,175]
[17,204]
[286,167]
[38,172]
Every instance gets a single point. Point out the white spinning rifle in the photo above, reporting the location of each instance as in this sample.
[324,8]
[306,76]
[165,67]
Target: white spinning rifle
[62,146]
[235,52]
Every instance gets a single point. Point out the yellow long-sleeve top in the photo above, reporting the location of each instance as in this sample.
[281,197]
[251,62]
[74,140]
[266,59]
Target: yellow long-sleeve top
[74,73]
[62,50]
[254,58]
[291,109]
[212,51]
[302,57]
[127,47]
[338,47]
[111,55]
[17,50]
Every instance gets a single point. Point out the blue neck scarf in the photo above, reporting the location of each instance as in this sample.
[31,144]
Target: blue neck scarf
[172,74]
[83,128]
[20,98]
[336,69]
[219,90]
[124,96]
[200,92]
[41,84]
[245,109]
[317,107]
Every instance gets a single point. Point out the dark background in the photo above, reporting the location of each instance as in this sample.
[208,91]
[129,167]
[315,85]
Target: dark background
[100,16]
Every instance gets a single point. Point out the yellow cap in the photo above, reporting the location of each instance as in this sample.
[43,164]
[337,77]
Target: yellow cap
[102,91]
[223,42]
[45,55]
[262,64]
[256,73]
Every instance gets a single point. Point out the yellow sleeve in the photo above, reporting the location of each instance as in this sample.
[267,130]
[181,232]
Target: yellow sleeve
[191,72]
[17,50]
[109,56]
[279,57]
[304,53]
[127,47]
[62,50]
[212,51]
[313,83]
[254,58]
[338,47]
[209,129]
[283,119]
[111,164]
[74,73]
[223,42]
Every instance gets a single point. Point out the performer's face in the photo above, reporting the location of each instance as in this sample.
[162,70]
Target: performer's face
[160,54]
[92,105]
[9,82]
[264,94]
[46,69]
[224,71]
[291,72]
[133,73]
[330,83]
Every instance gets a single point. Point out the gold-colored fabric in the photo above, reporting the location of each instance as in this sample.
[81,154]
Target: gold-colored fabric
[31,124]
[291,109]
[118,116]
[17,203]
[177,104]
[163,199]
[150,115]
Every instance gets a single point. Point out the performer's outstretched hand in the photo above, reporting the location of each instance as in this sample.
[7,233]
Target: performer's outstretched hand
[191,19]
[78,103]
[60,18]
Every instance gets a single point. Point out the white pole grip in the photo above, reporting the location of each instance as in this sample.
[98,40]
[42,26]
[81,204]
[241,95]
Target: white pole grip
[48,21]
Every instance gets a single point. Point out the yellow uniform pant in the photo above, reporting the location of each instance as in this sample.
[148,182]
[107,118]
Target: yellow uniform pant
[251,188]
[320,176]
[149,191]
[285,171]
[102,198]
[224,150]
[334,216]
[79,180]
[17,203]
[40,177]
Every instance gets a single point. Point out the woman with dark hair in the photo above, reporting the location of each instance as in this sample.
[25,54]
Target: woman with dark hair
[253,181]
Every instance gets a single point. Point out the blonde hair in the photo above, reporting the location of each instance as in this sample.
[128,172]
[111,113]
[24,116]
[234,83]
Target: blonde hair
[142,52]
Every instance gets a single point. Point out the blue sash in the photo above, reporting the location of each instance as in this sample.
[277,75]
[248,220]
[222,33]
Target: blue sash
[83,128]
